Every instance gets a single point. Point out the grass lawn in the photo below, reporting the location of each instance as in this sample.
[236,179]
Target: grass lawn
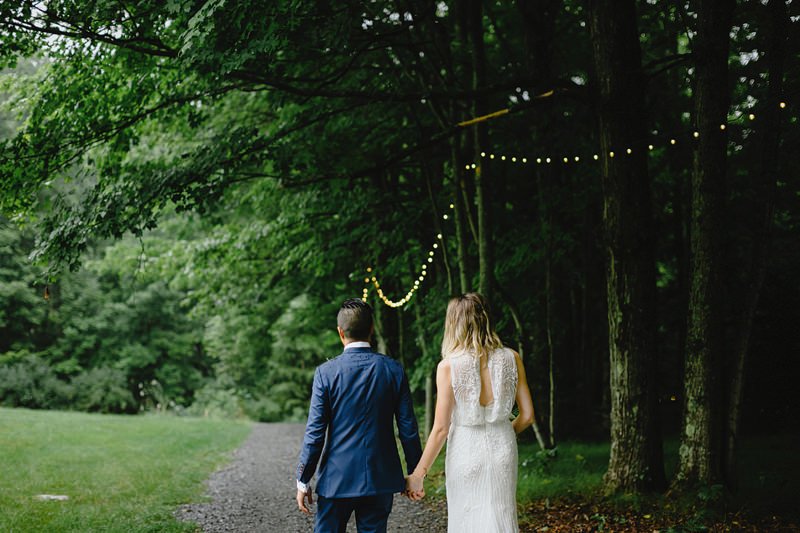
[121,473]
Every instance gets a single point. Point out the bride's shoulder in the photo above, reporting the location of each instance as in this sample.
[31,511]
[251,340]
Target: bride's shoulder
[510,353]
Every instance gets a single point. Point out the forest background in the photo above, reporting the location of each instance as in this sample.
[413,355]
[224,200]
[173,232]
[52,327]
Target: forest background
[191,189]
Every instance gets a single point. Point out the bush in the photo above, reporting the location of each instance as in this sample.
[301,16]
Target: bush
[31,382]
[216,400]
[264,410]
[103,390]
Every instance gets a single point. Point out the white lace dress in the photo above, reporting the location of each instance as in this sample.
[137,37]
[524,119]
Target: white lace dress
[481,462]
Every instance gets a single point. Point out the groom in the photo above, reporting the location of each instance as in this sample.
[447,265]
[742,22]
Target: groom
[355,398]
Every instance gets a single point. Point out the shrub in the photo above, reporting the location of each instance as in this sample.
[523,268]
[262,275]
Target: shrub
[103,390]
[216,400]
[31,382]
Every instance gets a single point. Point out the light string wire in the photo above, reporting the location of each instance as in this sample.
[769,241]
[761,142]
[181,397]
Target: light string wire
[627,150]
[371,278]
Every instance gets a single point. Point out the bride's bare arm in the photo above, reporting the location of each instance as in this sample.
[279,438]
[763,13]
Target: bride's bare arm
[441,426]
[524,401]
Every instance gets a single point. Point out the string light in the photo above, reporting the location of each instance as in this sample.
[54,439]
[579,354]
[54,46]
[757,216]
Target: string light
[472,166]
[418,279]
[650,147]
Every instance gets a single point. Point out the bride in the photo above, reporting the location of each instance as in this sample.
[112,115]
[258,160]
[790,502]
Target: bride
[478,381]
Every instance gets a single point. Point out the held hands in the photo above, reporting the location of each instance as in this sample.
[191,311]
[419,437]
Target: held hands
[301,503]
[415,489]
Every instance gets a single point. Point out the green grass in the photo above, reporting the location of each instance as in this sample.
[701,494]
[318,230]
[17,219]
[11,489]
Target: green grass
[121,473]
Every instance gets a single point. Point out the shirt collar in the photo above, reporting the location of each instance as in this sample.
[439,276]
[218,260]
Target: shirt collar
[357,344]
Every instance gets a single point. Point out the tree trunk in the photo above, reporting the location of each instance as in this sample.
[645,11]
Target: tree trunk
[777,25]
[636,461]
[430,389]
[480,108]
[700,450]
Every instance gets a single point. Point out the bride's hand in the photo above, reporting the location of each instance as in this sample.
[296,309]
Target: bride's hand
[415,489]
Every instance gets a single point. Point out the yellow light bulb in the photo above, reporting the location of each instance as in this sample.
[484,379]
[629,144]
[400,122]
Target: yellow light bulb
[672,141]
[444,217]
[751,116]
[430,254]
[435,245]
[722,127]
[513,159]
[491,156]
[524,159]
[547,160]
[483,154]
[503,157]
[650,146]
[366,280]
[577,158]
[452,206]
[430,260]
[421,278]
[610,154]
[782,105]
[696,134]
[596,157]
[374,279]
[474,166]
[538,159]
[628,151]
[439,235]
[369,269]
[566,160]
[466,166]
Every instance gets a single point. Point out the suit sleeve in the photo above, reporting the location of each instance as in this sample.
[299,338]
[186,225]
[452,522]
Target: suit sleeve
[318,418]
[407,425]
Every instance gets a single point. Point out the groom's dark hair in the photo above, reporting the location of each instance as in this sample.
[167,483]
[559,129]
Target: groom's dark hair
[355,319]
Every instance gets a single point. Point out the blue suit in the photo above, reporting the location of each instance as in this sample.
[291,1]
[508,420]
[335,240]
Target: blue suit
[355,399]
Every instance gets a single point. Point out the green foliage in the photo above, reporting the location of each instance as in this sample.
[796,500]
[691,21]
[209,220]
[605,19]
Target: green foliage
[31,382]
[103,390]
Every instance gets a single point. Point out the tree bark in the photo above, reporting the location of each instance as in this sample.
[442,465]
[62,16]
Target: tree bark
[765,186]
[482,192]
[700,449]
[636,461]
[458,216]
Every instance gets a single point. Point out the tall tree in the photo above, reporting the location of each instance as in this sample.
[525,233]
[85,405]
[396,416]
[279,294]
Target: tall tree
[764,184]
[701,437]
[636,454]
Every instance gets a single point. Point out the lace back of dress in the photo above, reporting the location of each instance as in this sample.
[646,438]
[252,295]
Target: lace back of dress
[466,379]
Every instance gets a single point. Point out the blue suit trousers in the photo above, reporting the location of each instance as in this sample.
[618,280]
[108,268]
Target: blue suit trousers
[372,513]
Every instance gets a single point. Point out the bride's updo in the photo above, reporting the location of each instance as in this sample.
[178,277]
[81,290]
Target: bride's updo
[468,327]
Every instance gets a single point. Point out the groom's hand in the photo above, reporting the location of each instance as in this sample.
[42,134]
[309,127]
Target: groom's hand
[301,501]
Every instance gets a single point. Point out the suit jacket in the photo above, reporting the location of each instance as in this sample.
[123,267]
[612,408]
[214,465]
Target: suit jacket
[354,401]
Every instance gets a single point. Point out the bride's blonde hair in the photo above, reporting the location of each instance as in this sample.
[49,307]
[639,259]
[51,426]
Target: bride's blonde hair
[468,327]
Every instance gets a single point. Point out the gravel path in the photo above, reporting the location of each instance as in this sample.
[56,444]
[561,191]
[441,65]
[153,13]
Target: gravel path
[256,491]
